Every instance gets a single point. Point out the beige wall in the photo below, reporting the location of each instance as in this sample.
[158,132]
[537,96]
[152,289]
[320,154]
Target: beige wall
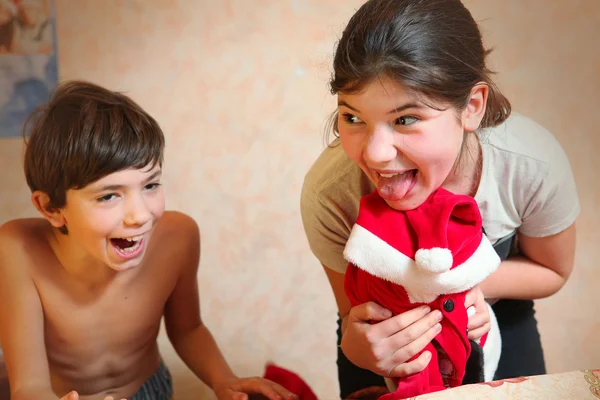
[240,90]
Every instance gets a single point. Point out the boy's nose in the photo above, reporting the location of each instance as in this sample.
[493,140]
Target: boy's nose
[379,147]
[137,213]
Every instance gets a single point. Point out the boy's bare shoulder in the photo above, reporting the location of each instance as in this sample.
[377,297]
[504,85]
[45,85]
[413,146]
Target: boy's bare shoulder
[24,236]
[177,233]
[177,225]
[22,242]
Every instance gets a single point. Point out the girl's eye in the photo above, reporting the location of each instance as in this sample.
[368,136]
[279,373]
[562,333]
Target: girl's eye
[406,120]
[107,197]
[351,119]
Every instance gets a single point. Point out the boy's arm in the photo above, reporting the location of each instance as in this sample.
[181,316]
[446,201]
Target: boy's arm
[21,321]
[190,338]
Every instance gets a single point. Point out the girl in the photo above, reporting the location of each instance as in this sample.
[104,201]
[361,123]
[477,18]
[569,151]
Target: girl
[418,110]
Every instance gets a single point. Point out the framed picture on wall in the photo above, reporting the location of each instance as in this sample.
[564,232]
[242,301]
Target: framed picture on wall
[28,60]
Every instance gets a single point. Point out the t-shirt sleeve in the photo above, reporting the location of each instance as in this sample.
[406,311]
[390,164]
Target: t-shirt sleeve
[554,205]
[325,229]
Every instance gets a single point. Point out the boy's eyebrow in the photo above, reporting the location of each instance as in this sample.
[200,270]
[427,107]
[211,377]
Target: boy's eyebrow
[154,175]
[395,110]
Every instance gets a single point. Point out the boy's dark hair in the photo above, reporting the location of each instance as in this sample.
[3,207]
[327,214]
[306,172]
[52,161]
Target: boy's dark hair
[434,47]
[84,133]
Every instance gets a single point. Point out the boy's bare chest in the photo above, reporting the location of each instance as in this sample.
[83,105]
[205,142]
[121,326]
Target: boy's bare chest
[119,319]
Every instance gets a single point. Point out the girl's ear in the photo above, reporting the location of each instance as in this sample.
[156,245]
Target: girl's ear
[475,110]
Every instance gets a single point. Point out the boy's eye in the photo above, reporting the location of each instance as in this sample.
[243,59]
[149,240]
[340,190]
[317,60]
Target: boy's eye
[152,186]
[107,197]
[351,119]
[407,120]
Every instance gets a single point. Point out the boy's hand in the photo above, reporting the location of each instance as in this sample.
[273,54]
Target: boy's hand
[73,395]
[243,388]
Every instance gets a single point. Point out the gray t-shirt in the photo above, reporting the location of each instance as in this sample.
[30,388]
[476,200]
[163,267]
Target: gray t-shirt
[526,185]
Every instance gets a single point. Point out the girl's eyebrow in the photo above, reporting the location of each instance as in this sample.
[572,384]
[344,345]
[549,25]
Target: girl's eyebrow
[394,111]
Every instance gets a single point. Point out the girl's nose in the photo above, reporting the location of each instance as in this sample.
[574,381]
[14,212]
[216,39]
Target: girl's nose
[379,146]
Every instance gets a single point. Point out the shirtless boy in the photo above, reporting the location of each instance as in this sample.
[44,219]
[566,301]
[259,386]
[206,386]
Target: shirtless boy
[83,289]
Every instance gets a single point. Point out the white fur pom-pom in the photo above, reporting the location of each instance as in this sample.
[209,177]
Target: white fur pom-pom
[435,260]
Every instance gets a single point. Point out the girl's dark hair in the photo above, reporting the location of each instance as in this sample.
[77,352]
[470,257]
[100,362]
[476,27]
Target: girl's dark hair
[433,47]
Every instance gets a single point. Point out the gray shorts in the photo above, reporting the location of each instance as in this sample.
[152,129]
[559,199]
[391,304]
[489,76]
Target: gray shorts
[158,387]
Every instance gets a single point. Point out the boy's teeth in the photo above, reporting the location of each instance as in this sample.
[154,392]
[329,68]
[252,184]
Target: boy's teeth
[131,249]
[134,238]
[388,175]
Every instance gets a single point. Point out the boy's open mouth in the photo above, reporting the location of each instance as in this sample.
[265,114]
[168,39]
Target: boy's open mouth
[127,245]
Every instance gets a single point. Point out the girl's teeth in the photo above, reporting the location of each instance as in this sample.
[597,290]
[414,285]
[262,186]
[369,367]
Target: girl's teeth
[410,171]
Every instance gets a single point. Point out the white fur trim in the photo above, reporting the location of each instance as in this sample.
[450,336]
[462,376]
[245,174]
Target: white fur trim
[492,348]
[435,260]
[372,254]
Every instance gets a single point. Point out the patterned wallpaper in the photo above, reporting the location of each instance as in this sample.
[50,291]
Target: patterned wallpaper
[240,88]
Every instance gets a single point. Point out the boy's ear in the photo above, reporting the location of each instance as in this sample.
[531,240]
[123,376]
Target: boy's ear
[41,201]
[475,110]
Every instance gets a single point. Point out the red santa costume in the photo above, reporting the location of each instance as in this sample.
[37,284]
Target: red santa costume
[430,255]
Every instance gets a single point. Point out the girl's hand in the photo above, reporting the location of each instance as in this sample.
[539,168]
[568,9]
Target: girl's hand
[376,341]
[479,316]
